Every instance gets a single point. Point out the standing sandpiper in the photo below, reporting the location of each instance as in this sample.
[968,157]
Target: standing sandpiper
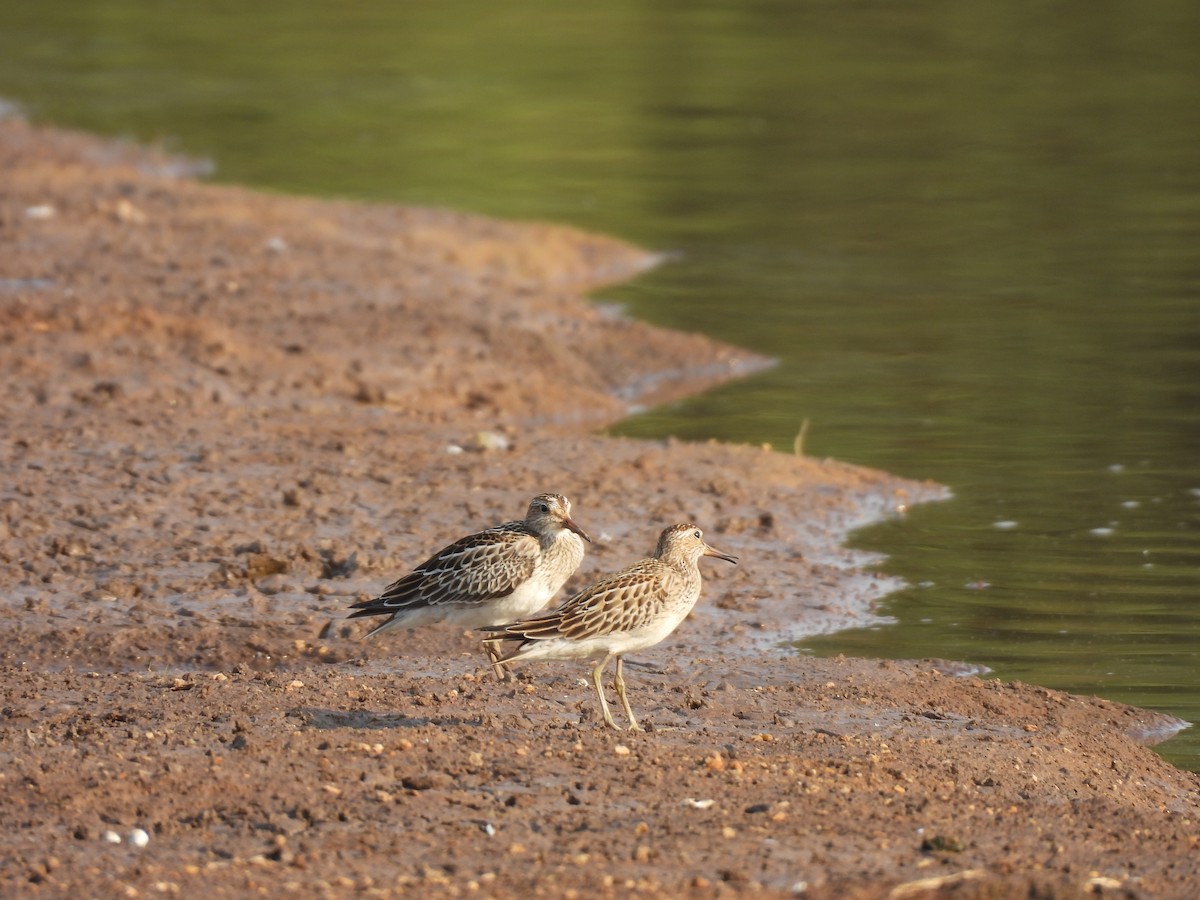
[489,578]
[629,610]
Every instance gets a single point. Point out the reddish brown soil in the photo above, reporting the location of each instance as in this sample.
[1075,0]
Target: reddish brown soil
[227,415]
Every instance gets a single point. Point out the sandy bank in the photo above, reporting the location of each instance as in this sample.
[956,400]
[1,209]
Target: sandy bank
[226,415]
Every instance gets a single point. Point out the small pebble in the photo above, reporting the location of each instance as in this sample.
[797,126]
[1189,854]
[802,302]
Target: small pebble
[110,837]
[491,440]
[139,838]
[621,750]
[127,212]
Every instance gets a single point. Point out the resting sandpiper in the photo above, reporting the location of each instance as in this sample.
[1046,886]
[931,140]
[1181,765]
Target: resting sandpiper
[489,578]
[629,610]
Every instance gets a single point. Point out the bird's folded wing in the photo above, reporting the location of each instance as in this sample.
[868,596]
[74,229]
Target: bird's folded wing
[619,603]
[475,569]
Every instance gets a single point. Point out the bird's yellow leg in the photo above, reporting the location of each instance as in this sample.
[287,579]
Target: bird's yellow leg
[493,652]
[596,673]
[619,680]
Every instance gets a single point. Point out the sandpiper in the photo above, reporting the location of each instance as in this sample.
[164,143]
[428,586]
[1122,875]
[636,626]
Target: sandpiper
[629,610]
[489,578]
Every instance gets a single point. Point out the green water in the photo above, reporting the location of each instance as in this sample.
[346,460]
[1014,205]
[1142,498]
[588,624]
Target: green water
[969,232]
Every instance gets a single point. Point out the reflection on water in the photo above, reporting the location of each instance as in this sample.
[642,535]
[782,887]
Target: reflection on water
[971,238]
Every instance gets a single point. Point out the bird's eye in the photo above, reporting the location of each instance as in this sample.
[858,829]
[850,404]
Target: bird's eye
[697,534]
[543,507]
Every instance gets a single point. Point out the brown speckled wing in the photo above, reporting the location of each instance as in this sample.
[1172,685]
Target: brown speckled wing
[474,569]
[622,602]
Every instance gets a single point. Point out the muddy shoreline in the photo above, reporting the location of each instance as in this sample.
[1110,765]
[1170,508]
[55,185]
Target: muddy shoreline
[228,415]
